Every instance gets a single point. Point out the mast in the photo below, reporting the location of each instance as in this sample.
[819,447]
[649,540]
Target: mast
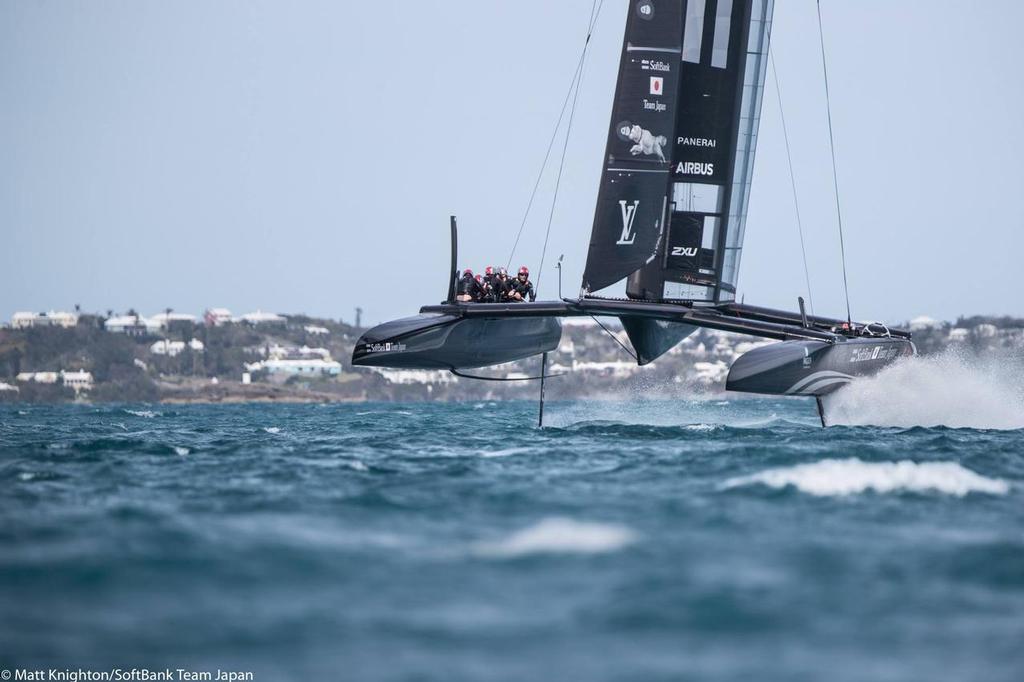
[715,103]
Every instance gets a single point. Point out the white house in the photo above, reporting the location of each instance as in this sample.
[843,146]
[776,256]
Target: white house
[278,352]
[260,317]
[316,331]
[173,348]
[168,348]
[924,322]
[958,334]
[79,380]
[416,376]
[39,377]
[305,367]
[165,318]
[62,319]
[24,320]
[132,325]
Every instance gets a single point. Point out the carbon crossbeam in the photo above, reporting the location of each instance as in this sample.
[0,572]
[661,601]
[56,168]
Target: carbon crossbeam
[736,318]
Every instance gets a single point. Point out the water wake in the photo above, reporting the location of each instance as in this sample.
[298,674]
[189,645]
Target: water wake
[841,477]
[950,389]
[556,535]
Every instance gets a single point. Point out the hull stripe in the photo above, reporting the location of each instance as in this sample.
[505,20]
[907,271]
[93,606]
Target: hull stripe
[818,386]
[818,376]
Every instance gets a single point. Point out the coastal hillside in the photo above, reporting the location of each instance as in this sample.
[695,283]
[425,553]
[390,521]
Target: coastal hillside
[64,357]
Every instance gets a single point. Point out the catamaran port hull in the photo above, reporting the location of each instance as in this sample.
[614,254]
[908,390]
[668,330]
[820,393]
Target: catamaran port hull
[813,368]
[442,341]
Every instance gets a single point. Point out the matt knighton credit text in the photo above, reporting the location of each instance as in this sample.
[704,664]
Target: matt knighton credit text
[124,675]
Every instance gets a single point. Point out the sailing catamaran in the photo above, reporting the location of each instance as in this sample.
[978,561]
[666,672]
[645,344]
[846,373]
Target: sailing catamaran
[670,219]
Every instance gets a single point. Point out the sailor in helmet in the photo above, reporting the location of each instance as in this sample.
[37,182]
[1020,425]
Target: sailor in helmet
[468,290]
[501,286]
[522,287]
[482,289]
[490,278]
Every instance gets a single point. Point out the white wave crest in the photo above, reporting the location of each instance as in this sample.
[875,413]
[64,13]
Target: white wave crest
[556,535]
[272,429]
[181,451]
[147,414]
[841,477]
[702,427]
[507,452]
[949,389]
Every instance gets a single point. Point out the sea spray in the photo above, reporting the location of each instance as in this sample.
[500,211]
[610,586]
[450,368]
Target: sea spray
[952,389]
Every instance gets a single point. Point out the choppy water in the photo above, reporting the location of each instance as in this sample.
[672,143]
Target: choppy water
[720,540]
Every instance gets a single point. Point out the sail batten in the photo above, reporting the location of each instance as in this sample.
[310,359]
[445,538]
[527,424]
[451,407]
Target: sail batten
[675,185]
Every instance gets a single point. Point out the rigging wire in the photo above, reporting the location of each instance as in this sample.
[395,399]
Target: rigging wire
[835,176]
[614,338]
[792,180]
[543,165]
[577,75]
[595,12]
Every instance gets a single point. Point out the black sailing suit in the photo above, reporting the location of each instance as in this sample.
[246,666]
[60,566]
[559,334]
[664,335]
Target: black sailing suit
[468,286]
[489,288]
[525,289]
[499,289]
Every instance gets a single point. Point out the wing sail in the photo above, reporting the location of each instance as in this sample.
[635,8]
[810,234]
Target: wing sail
[672,217]
[725,52]
[631,206]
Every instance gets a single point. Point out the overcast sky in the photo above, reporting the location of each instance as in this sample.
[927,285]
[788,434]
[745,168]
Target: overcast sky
[305,156]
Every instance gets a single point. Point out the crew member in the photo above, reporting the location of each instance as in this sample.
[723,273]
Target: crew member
[500,287]
[521,287]
[482,290]
[468,290]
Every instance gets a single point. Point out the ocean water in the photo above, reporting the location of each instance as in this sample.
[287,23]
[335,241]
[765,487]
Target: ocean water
[722,539]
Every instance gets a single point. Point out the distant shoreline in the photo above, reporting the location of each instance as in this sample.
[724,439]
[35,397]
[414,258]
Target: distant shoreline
[296,359]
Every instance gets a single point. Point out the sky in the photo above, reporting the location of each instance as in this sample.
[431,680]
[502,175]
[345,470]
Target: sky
[304,157]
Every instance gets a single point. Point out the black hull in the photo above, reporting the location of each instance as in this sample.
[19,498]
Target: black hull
[811,360]
[813,368]
[440,341]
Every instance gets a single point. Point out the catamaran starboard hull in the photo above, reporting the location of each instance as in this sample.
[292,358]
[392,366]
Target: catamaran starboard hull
[441,341]
[813,368]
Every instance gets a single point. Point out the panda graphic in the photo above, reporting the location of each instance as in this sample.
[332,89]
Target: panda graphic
[644,141]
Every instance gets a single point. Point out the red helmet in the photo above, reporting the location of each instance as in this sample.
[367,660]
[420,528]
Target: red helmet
[524,271]
[489,270]
[479,278]
[467,272]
